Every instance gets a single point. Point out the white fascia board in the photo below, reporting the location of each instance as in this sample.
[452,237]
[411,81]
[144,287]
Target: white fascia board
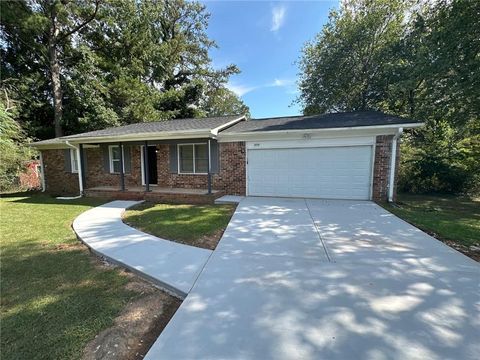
[56,146]
[216,130]
[314,133]
[142,137]
[204,133]
[49,146]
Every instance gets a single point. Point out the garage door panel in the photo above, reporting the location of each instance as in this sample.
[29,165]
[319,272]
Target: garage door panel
[326,172]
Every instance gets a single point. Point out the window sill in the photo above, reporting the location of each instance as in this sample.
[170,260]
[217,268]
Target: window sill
[180,173]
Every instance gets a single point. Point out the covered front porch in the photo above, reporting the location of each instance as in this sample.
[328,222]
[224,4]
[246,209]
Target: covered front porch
[156,194]
[175,171]
[175,159]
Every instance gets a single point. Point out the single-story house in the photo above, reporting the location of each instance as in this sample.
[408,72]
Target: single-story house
[349,155]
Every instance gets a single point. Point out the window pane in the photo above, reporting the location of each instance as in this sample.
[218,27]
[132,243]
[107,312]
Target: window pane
[201,166]
[116,166]
[186,152]
[115,153]
[186,165]
[186,158]
[74,160]
[201,151]
[201,158]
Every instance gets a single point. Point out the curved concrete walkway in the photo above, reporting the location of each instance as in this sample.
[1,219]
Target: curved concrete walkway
[171,265]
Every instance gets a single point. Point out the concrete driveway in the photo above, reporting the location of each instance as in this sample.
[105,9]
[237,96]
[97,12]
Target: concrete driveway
[314,279]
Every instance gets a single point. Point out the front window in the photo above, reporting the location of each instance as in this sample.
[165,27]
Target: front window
[74,160]
[193,158]
[115,159]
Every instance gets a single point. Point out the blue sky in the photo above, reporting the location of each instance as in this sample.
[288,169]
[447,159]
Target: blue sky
[264,40]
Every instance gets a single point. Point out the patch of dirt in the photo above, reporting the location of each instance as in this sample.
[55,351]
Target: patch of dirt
[208,241]
[137,327]
[68,246]
[472,252]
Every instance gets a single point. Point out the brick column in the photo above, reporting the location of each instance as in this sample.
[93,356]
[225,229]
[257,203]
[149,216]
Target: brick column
[381,169]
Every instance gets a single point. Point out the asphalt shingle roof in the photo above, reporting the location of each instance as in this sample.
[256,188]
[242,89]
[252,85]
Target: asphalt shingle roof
[195,124]
[325,121]
[192,124]
[48,142]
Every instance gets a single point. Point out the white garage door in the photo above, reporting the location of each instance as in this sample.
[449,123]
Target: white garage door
[322,172]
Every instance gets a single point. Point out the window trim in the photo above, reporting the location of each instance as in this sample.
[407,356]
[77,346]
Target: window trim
[111,160]
[73,157]
[194,161]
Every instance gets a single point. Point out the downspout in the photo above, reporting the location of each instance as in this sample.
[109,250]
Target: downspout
[42,173]
[80,182]
[209,169]
[393,163]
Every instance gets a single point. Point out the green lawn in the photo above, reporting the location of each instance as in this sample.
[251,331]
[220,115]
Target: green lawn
[197,225]
[450,218]
[54,295]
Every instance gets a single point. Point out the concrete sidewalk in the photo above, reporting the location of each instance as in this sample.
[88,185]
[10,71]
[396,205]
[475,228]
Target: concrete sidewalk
[172,265]
[313,279]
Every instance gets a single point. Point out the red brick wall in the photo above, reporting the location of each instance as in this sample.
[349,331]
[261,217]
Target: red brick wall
[230,178]
[57,180]
[97,176]
[381,170]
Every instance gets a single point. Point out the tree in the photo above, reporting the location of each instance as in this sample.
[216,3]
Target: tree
[65,19]
[120,62]
[349,64]
[222,101]
[442,53]
[13,151]
[55,22]
[411,59]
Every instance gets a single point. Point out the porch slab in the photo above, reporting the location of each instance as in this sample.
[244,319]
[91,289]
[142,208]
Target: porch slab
[229,199]
[155,189]
[156,194]
[170,265]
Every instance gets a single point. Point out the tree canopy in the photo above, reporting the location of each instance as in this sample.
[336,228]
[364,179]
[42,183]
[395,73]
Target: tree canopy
[118,62]
[410,58]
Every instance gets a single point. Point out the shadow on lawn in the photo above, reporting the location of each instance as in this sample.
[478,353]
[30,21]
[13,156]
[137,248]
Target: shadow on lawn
[182,222]
[54,300]
[36,197]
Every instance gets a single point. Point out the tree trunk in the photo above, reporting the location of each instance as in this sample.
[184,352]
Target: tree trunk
[411,102]
[55,74]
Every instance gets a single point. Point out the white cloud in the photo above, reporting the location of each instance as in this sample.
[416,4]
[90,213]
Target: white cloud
[282,82]
[278,17]
[239,89]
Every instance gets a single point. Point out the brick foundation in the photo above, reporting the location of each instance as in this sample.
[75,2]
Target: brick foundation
[172,198]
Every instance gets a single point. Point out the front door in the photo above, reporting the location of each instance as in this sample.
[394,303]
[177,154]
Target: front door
[152,165]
